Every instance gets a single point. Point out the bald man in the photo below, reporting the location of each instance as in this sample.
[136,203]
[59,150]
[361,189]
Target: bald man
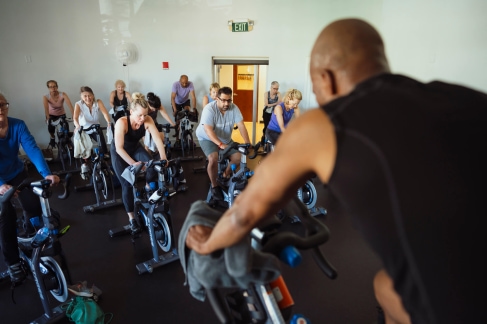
[182,97]
[406,160]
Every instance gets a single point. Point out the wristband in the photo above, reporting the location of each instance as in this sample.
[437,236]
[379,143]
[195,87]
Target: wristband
[220,145]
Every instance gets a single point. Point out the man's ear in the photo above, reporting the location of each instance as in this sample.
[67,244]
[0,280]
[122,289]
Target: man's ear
[330,82]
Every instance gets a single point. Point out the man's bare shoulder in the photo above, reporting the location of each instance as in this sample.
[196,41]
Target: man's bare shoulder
[313,134]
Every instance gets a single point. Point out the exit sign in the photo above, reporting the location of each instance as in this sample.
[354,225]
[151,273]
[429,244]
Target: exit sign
[240,27]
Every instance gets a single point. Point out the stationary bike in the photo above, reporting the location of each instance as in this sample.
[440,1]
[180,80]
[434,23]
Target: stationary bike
[64,144]
[39,253]
[175,173]
[272,303]
[307,193]
[186,143]
[152,210]
[101,177]
[237,182]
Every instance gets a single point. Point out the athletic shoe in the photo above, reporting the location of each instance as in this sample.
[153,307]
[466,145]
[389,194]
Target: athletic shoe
[80,289]
[52,143]
[222,181]
[134,226]
[216,193]
[85,171]
[16,273]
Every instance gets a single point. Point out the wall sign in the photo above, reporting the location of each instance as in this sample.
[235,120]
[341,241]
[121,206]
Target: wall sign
[240,25]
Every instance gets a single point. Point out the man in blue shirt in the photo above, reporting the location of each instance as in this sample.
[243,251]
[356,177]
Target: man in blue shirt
[13,133]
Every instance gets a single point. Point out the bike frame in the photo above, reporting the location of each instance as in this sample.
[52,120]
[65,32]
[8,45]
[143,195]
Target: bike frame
[242,175]
[37,263]
[98,166]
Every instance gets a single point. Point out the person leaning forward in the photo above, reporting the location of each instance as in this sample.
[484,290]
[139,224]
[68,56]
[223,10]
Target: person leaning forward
[406,160]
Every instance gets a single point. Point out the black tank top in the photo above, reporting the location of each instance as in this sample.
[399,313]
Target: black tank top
[132,137]
[117,103]
[410,170]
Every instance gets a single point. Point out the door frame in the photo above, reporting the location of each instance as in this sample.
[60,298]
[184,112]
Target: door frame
[256,61]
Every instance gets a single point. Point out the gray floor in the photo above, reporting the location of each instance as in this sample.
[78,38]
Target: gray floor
[159,297]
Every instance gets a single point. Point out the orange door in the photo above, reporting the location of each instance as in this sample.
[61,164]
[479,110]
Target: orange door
[243,89]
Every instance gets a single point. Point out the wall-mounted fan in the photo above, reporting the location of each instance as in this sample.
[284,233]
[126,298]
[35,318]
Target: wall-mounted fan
[126,53]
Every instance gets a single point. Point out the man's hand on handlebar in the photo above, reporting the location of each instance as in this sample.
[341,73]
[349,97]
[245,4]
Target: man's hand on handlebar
[197,237]
[54,179]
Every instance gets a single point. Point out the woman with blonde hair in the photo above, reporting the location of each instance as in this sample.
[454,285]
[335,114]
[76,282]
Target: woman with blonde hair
[282,114]
[126,149]
[119,100]
[211,96]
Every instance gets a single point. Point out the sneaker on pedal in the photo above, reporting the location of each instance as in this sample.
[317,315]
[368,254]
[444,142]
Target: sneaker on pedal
[222,181]
[52,143]
[134,226]
[85,170]
[80,289]
[16,273]
[216,193]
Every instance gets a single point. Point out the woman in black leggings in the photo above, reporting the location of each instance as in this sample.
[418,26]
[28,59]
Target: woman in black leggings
[126,149]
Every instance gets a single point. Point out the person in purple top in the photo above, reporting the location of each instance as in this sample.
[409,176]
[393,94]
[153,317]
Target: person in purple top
[282,114]
[13,133]
[181,92]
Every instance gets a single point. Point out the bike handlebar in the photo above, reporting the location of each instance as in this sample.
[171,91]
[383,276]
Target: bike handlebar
[316,234]
[94,126]
[34,184]
[167,127]
[153,163]
[235,146]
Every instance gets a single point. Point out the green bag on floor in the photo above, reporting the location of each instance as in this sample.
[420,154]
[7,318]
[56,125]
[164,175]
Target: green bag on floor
[83,310]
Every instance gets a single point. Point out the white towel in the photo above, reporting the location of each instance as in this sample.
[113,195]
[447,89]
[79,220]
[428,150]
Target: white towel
[149,142]
[109,134]
[82,145]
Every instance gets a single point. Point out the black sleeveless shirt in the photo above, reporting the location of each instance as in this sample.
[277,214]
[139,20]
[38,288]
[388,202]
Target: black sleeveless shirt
[410,171]
[132,137]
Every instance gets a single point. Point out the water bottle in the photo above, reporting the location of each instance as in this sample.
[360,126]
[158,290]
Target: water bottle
[299,319]
[40,237]
[156,196]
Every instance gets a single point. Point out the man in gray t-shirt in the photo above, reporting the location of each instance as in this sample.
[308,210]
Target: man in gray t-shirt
[214,133]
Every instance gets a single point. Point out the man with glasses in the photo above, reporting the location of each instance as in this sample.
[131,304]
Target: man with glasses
[214,133]
[13,133]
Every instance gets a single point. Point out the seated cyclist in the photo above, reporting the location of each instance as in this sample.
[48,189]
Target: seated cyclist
[126,149]
[182,98]
[86,113]
[13,133]
[54,107]
[119,100]
[215,133]
[282,114]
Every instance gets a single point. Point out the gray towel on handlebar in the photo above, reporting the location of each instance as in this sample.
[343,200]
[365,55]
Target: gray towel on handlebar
[129,174]
[237,267]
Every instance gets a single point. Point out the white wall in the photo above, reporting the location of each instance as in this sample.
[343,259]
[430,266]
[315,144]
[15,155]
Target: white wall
[74,41]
